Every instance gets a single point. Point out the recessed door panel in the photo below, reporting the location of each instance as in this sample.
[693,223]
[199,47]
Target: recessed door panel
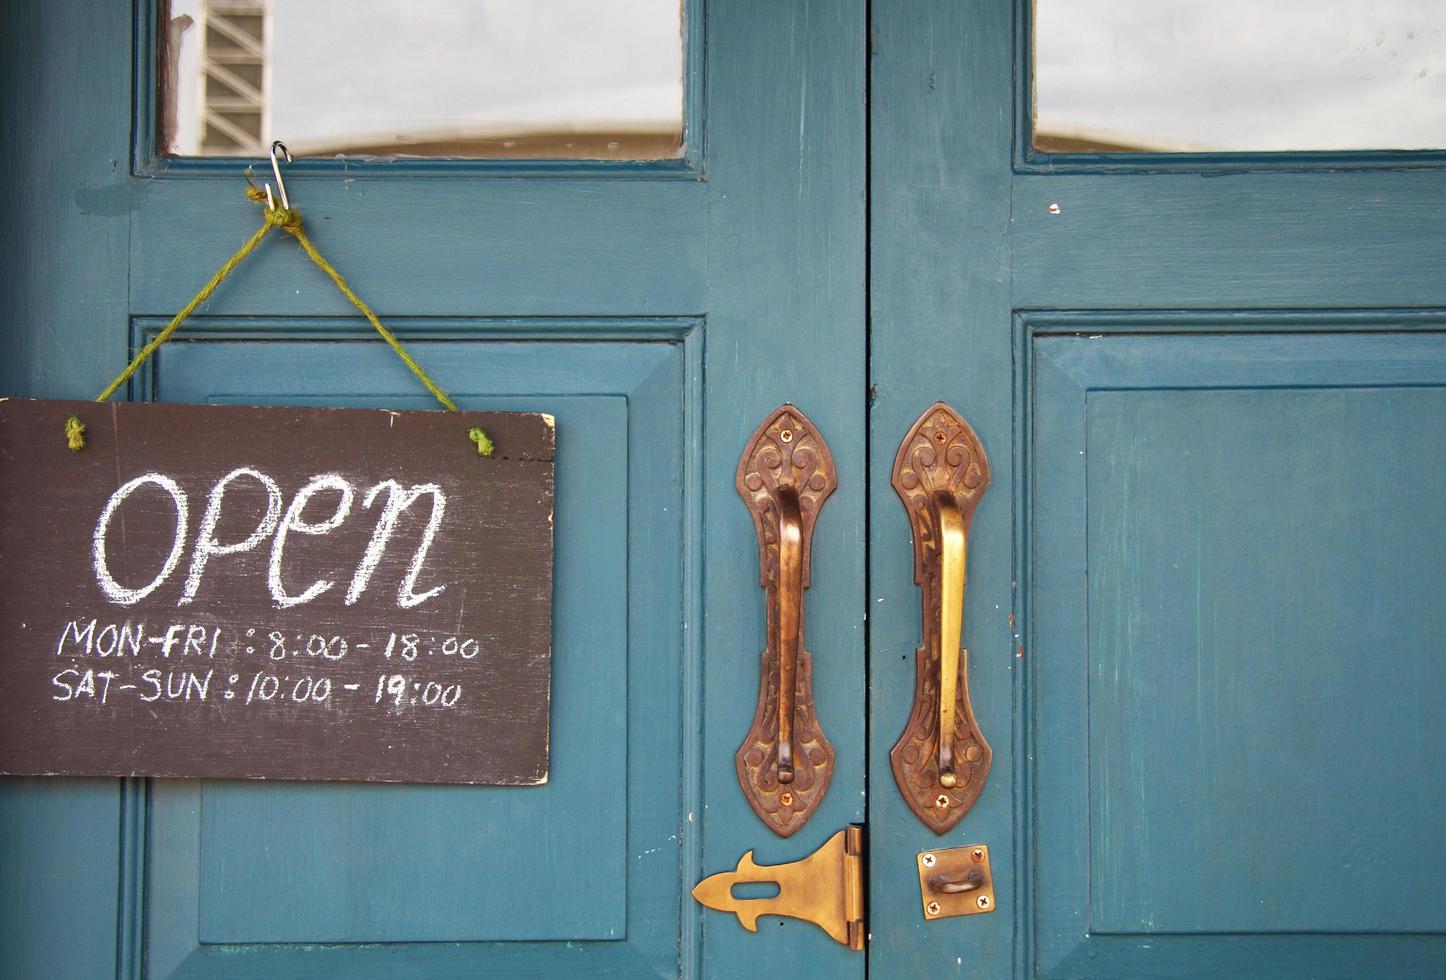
[259,868]
[1236,548]
[1264,565]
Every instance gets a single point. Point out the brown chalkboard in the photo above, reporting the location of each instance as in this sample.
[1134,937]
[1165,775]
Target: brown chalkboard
[277,593]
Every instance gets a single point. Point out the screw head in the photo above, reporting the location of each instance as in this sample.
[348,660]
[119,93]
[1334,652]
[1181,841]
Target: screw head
[942,802]
[786,798]
[977,854]
[928,860]
[786,435]
[983,902]
[933,908]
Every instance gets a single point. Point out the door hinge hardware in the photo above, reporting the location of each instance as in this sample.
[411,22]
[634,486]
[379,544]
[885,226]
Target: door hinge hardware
[956,881]
[825,888]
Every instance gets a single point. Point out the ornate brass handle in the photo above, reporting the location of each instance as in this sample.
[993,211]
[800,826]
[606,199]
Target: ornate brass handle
[785,763]
[941,760]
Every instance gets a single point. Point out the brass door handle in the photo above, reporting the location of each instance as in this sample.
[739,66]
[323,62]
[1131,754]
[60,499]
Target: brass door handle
[941,760]
[785,763]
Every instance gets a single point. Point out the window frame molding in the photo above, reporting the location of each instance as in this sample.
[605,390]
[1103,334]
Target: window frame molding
[148,162]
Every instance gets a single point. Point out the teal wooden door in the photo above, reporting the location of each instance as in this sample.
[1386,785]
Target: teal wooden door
[660,311]
[1202,613]
[1203,608]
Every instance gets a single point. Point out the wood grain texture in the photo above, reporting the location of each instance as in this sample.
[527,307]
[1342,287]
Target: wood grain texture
[440,905]
[1229,241]
[475,245]
[276,593]
[65,72]
[1218,709]
[942,83]
[101,253]
[1232,583]
[488,265]
[971,266]
[763,247]
[786,163]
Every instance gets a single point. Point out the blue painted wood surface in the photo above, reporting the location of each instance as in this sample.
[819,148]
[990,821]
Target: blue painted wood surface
[660,310]
[1263,696]
[1264,279]
[1234,671]
[940,316]
[786,322]
[410,865]
[1293,301]
[64,300]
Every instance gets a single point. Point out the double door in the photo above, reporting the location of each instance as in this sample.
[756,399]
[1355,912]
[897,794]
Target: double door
[1202,609]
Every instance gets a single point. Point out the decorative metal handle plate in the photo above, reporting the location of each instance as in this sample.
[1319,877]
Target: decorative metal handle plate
[941,760]
[785,763]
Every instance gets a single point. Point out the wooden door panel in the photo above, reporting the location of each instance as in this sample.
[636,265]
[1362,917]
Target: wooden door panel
[1224,457]
[1242,239]
[64,246]
[1235,547]
[1263,568]
[294,878]
[71,830]
[580,288]
[940,329]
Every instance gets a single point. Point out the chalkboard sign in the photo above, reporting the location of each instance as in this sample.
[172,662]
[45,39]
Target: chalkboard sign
[275,593]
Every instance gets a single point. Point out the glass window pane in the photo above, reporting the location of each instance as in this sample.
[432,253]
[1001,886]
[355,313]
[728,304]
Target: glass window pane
[592,79]
[1191,75]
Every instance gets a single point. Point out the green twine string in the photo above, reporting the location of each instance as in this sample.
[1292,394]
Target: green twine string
[484,442]
[289,221]
[75,434]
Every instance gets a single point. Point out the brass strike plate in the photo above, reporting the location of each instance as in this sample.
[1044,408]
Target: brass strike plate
[956,881]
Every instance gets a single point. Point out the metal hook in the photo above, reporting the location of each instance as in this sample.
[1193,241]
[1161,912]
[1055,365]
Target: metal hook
[280,184]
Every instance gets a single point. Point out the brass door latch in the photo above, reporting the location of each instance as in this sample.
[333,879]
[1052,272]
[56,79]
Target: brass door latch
[785,763]
[941,760]
[825,888]
[956,881]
